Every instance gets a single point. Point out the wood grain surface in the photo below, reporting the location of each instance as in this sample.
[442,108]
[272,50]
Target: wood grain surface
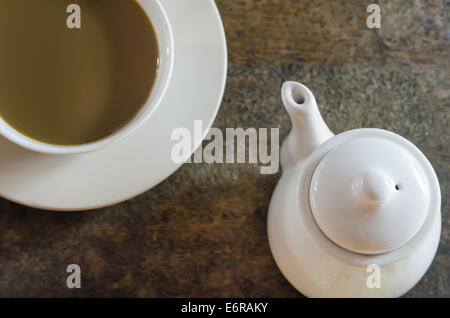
[202,232]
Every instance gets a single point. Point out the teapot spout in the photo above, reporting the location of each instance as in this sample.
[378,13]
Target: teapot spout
[309,130]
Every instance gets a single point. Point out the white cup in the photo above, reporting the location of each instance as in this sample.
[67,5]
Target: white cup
[158,17]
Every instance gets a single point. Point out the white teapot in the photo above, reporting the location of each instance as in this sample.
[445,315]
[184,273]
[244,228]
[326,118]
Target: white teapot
[353,215]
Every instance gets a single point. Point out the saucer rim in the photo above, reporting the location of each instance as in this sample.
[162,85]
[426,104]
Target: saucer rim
[206,125]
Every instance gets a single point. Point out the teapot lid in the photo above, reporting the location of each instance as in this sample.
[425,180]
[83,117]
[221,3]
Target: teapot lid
[370,195]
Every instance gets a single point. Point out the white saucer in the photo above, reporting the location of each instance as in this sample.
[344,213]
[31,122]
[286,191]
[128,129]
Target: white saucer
[142,160]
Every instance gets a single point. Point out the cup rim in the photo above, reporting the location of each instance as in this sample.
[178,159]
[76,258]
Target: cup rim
[165,41]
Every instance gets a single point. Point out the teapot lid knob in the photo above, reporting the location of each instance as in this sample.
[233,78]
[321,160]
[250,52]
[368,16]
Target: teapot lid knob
[373,188]
[370,195]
